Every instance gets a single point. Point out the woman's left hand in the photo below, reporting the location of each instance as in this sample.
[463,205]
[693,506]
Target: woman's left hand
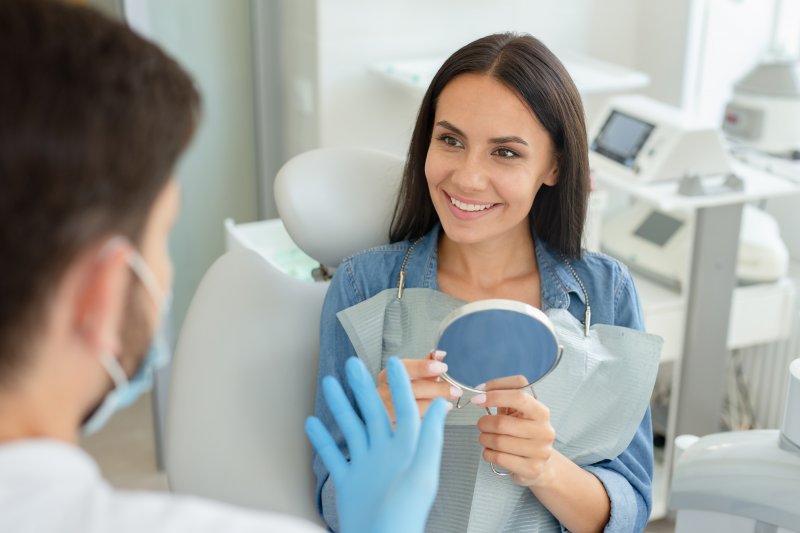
[519,438]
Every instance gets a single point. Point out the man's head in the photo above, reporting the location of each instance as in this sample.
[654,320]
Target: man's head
[92,121]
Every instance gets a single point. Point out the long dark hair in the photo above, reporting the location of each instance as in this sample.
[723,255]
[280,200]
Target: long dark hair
[529,68]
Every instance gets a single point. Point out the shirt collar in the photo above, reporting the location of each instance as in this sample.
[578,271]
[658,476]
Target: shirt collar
[557,280]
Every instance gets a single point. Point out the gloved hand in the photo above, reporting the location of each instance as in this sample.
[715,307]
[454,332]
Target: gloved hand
[390,482]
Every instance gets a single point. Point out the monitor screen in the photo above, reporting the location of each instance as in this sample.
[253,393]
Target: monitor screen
[621,138]
[658,228]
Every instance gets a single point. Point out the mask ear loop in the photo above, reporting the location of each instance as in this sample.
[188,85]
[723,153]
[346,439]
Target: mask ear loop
[112,245]
[108,360]
[137,264]
[146,275]
[139,267]
[148,279]
[114,370]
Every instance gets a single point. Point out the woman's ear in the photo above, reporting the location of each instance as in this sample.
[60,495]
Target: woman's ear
[551,178]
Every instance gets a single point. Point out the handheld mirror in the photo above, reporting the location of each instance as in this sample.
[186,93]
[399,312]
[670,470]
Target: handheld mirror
[492,339]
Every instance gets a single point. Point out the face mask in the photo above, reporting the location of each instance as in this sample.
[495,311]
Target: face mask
[127,391]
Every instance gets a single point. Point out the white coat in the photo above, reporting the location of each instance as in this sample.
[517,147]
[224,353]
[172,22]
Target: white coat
[53,487]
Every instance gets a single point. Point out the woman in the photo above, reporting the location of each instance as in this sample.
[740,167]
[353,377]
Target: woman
[492,205]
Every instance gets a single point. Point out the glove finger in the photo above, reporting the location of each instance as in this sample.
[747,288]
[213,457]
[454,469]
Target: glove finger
[405,406]
[431,439]
[369,402]
[346,418]
[326,447]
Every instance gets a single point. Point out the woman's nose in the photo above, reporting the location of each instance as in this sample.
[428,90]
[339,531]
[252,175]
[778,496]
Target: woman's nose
[470,175]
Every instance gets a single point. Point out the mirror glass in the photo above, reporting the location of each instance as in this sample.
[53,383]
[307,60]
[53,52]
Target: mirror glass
[490,339]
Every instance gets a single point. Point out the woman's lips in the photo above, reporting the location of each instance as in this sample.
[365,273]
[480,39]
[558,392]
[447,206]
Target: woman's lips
[464,209]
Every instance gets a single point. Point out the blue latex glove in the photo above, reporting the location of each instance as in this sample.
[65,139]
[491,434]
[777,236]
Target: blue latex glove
[390,482]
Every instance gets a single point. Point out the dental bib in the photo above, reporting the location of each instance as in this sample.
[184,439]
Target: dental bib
[593,421]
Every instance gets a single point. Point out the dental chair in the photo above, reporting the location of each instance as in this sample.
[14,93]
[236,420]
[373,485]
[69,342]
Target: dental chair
[742,481]
[245,367]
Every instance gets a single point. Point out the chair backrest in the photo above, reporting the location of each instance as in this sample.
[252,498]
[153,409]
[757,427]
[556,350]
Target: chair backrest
[245,367]
[243,382]
[337,201]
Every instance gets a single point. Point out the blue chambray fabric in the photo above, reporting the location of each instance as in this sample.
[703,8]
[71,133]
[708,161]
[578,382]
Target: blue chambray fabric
[626,477]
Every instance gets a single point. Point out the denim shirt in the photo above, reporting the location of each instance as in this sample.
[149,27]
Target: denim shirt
[613,300]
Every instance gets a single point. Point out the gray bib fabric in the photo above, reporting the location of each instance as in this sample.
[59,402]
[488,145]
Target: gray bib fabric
[592,419]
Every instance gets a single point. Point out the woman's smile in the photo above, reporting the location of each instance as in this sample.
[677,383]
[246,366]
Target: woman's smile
[466,209]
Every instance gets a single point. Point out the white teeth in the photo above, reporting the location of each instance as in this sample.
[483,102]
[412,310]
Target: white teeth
[469,207]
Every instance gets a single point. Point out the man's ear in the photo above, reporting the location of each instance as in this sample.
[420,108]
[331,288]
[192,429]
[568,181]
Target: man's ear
[102,280]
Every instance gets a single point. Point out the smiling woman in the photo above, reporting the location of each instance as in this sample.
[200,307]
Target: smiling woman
[492,206]
[475,169]
[514,82]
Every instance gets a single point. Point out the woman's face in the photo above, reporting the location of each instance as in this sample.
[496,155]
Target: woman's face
[487,159]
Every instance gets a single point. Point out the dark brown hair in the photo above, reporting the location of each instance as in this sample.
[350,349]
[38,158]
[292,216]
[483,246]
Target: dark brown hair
[92,121]
[530,69]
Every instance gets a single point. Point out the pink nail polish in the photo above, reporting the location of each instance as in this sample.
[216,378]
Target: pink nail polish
[456,392]
[439,355]
[437,367]
[478,399]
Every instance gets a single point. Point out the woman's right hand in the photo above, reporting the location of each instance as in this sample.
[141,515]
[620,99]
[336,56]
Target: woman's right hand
[425,383]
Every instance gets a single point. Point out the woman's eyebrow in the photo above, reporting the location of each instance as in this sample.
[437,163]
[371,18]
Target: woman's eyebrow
[495,140]
[445,124]
[508,139]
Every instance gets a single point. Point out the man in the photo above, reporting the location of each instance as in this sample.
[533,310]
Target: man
[92,121]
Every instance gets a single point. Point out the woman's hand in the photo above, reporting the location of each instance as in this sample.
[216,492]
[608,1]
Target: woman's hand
[425,383]
[519,438]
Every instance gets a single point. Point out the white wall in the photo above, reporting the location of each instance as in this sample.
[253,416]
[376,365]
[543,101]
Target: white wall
[666,35]
[299,75]
[330,45]
[268,96]
[212,40]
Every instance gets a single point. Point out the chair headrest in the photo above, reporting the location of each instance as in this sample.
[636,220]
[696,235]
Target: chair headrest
[337,201]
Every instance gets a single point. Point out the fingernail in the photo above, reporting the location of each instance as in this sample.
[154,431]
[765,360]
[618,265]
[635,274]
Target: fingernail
[437,367]
[482,386]
[439,355]
[478,399]
[449,407]
[456,392]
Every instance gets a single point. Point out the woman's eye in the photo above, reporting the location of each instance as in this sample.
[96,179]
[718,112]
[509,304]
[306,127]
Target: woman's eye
[449,140]
[505,153]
